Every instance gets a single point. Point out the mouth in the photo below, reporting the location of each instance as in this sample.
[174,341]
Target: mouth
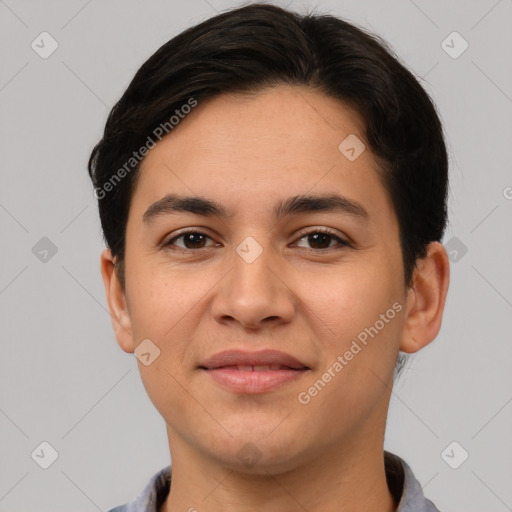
[253,373]
[254,379]
[254,368]
[263,360]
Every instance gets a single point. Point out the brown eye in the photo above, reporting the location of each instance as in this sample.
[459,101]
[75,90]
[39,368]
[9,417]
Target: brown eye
[191,240]
[319,240]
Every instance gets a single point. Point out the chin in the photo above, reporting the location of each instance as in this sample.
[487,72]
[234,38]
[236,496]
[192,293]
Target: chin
[263,457]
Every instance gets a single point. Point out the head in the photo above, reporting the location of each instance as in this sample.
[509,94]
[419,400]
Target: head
[250,110]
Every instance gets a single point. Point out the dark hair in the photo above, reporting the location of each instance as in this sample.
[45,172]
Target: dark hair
[260,45]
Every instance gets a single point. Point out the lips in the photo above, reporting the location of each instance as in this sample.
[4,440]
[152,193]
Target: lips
[259,372]
[263,360]
[257,368]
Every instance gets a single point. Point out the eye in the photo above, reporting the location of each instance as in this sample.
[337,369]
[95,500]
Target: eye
[191,240]
[323,237]
[320,238]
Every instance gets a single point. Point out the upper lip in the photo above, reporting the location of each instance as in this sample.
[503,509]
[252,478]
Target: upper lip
[260,358]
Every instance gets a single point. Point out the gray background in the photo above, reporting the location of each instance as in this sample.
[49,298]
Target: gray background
[63,378]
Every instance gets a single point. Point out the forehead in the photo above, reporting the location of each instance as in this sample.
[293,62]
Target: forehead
[247,149]
[283,122]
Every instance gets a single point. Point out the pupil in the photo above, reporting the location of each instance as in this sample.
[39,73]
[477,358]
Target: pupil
[322,236]
[190,238]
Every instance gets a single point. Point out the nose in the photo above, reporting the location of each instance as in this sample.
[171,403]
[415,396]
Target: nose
[255,293]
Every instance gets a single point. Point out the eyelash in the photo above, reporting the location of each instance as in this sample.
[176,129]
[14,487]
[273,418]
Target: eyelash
[342,243]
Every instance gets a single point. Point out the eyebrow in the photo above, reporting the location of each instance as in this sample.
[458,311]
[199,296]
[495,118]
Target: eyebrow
[172,203]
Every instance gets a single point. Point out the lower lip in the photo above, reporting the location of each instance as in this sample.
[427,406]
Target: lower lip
[253,382]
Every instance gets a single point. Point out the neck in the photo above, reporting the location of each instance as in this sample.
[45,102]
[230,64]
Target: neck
[351,478]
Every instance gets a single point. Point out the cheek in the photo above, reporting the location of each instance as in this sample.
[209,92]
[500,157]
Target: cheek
[161,302]
[359,357]
[351,300]
[362,308]
[163,312]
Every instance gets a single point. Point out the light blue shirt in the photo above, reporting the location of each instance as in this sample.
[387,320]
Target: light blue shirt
[401,482]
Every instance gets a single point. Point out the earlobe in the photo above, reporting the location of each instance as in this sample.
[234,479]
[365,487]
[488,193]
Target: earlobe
[426,299]
[117,304]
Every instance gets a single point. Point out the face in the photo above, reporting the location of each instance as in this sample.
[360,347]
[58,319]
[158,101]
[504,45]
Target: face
[322,282]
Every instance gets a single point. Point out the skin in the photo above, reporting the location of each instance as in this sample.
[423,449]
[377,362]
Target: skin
[247,153]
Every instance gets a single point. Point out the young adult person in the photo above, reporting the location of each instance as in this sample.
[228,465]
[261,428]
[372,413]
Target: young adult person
[272,191]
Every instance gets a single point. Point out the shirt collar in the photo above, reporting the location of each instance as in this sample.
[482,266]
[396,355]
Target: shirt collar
[404,487]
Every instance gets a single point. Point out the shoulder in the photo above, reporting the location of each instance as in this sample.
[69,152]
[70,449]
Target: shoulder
[152,496]
[405,487]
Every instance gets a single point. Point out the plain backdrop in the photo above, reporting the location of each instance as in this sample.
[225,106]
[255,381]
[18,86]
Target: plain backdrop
[63,378]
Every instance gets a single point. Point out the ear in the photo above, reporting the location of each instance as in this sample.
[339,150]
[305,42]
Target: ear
[426,299]
[116,303]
